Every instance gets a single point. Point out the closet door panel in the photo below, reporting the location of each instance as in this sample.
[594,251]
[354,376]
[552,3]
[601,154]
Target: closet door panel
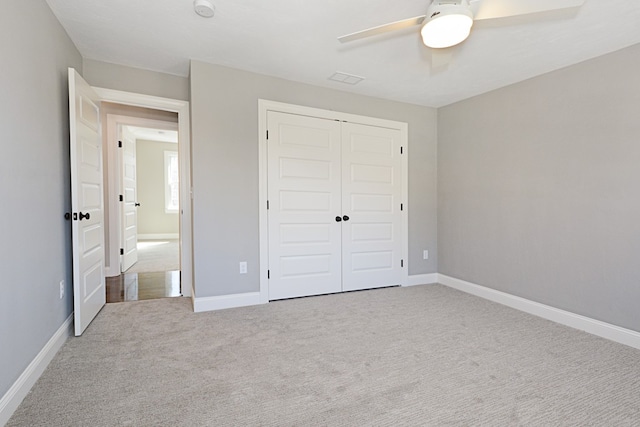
[371,198]
[304,199]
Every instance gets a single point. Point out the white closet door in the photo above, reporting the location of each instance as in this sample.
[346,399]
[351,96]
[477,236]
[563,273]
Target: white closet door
[304,197]
[371,199]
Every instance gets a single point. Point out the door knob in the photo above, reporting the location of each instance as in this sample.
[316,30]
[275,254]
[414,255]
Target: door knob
[345,218]
[84,216]
[67,216]
[338,219]
[136,204]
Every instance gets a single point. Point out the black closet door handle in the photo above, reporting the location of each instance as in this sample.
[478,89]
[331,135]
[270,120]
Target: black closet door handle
[84,216]
[345,218]
[338,219]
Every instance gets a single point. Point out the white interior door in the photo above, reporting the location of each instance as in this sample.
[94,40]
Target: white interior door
[371,205]
[89,293]
[129,204]
[304,201]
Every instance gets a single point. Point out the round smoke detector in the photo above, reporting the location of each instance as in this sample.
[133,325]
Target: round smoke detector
[204,8]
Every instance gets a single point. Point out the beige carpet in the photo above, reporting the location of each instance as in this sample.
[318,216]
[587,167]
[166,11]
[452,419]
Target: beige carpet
[421,356]
[156,256]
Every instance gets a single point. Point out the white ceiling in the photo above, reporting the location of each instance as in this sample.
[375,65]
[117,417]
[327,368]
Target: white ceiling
[149,134]
[296,40]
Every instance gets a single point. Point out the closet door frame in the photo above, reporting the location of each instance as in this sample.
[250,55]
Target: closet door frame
[263,107]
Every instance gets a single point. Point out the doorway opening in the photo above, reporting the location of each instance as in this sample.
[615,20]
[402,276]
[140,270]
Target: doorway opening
[148,249]
[95,199]
[149,204]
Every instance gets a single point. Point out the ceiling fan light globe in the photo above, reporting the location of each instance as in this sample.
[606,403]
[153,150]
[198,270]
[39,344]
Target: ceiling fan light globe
[446,29]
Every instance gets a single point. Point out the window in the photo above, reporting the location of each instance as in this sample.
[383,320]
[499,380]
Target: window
[171,182]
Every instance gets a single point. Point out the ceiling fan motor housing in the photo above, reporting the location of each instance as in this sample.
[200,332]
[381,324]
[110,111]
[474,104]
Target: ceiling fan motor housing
[447,23]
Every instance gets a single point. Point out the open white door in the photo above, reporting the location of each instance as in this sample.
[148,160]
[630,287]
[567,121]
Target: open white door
[89,293]
[129,205]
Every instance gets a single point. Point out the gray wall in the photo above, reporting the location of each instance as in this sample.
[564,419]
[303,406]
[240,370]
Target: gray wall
[136,80]
[152,218]
[224,114]
[539,191]
[34,181]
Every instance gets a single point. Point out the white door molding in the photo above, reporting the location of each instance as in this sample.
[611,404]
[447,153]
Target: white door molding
[184,148]
[263,107]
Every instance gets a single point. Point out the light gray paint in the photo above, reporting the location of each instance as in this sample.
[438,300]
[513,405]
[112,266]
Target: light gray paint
[224,114]
[35,182]
[539,189]
[136,80]
[152,218]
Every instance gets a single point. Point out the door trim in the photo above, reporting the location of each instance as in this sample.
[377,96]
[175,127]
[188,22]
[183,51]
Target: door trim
[184,147]
[266,105]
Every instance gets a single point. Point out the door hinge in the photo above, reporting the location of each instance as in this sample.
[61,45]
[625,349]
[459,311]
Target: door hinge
[401,263]
[267,135]
[401,149]
[268,274]
[121,251]
[121,198]
[401,206]
[267,205]
[119,144]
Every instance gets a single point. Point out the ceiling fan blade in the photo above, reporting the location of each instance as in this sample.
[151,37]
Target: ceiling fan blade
[490,9]
[393,26]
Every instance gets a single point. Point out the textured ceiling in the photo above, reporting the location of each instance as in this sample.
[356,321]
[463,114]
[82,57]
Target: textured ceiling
[296,40]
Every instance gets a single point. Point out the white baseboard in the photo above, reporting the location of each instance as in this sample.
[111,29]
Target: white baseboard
[18,391]
[422,279]
[583,323]
[226,301]
[111,272]
[167,236]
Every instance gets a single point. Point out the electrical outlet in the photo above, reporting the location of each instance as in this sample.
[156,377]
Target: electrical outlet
[61,289]
[243,267]
[425,254]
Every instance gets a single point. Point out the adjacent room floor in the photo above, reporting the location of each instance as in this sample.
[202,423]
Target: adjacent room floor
[155,275]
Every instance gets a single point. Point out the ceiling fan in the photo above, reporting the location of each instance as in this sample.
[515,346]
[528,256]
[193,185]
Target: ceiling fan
[448,22]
